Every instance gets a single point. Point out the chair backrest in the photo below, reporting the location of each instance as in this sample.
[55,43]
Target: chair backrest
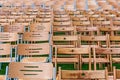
[68,23]
[94,40]
[8,37]
[83,74]
[5,49]
[65,40]
[89,30]
[33,49]
[77,51]
[114,41]
[63,29]
[30,70]
[74,51]
[16,28]
[6,53]
[62,19]
[102,54]
[36,27]
[36,36]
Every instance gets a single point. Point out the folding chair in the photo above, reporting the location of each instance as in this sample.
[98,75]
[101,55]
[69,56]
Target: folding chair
[65,40]
[93,41]
[114,41]
[80,53]
[82,74]
[113,31]
[32,52]
[114,56]
[68,23]
[6,41]
[71,30]
[101,56]
[36,27]
[88,31]
[29,71]
[33,37]
[6,53]
[38,37]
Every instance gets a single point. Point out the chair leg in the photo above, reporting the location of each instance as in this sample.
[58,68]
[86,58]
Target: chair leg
[0,66]
[111,66]
[75,65]
[100,65]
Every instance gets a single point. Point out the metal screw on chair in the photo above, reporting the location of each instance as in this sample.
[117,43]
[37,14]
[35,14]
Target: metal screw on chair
[111,50]
[64,38]
[72,50]
[93,38]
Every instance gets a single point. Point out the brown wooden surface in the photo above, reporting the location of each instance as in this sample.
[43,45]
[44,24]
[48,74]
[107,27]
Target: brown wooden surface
[33,49]
[30,70]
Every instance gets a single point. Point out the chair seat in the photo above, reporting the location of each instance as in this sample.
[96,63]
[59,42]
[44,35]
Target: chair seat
[34,59]
[69,60]
[7,60]
[2,77]
[116,59]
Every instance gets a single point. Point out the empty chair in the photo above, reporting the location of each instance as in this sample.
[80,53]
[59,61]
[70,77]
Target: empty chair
[93,40]
[36,40]
[88,31]
[72,55]
[29,71]
[82,74]
[101,56]
[65,40]
[114,41]
[8,37]
[6,54]
[33,53]
[71,30]
[36,27]
[36,36]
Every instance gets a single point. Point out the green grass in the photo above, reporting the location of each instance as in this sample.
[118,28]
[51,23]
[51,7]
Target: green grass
[2,71]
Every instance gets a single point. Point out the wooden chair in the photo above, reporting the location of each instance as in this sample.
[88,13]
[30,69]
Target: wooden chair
[88,31]
[80,24]
[114,55]
[32,53]
[116,23]
[113,31]
[65,40]
[101,56]
[29,71]
[116,73]
[62,52]
[61,24]
[6,53]
[9,37]
[15,28]
[36,36]
[71,30]
[36,27]
[114,41]
[93,41]
[82,74]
